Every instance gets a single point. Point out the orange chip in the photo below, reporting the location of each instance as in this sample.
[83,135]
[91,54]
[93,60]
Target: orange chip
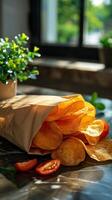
[73,104]
[91,109]
[47,138]
[67,126]
[71,152]
[102,151]
[81,136]
[88,117]
[76,122]
[74,110]
[85,121]
[93,131]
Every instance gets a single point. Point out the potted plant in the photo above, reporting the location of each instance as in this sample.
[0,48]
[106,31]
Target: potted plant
[106,49]
[14,59]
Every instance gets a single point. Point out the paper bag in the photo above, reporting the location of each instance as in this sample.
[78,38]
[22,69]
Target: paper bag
[22,116]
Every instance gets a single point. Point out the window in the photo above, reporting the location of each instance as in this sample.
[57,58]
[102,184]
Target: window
[60,21]
[70,28]
[98,20]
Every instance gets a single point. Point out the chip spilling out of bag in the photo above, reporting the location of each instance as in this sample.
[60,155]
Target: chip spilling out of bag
[102,151]
[71,152]
[47,138]
[71,131]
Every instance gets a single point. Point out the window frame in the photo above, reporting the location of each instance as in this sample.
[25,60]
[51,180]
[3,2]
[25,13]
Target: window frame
[79,52]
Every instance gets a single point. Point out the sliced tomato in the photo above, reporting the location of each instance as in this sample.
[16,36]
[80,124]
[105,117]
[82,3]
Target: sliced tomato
[26,166]
[105,131]
[48,167]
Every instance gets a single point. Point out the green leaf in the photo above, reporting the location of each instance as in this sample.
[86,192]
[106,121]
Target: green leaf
[94,97]
[34,71]
[100,106]
[96,102]
[37,55]
[36,49]
[24,36]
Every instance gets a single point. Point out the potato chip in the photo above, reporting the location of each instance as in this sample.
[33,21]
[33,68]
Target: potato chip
[91,109]
[71,152]
[77,135]
[73,104]
[74,110]
[80,136]
[102,151]
[93,131]
[76,122]
[46,138]
[88,117]
[67,126]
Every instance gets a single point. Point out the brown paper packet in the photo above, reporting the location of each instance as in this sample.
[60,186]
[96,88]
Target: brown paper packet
[23,115]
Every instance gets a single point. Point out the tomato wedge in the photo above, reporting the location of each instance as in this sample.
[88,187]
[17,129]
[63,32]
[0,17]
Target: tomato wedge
[48,167]
[26,166]
[105,130]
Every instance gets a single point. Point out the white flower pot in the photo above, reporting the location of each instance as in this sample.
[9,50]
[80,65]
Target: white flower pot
[8,90]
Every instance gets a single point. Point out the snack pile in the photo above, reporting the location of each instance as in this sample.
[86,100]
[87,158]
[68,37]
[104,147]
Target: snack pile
[71,131]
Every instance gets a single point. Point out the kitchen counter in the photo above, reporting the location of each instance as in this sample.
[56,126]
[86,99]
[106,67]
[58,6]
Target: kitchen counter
[90,180]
